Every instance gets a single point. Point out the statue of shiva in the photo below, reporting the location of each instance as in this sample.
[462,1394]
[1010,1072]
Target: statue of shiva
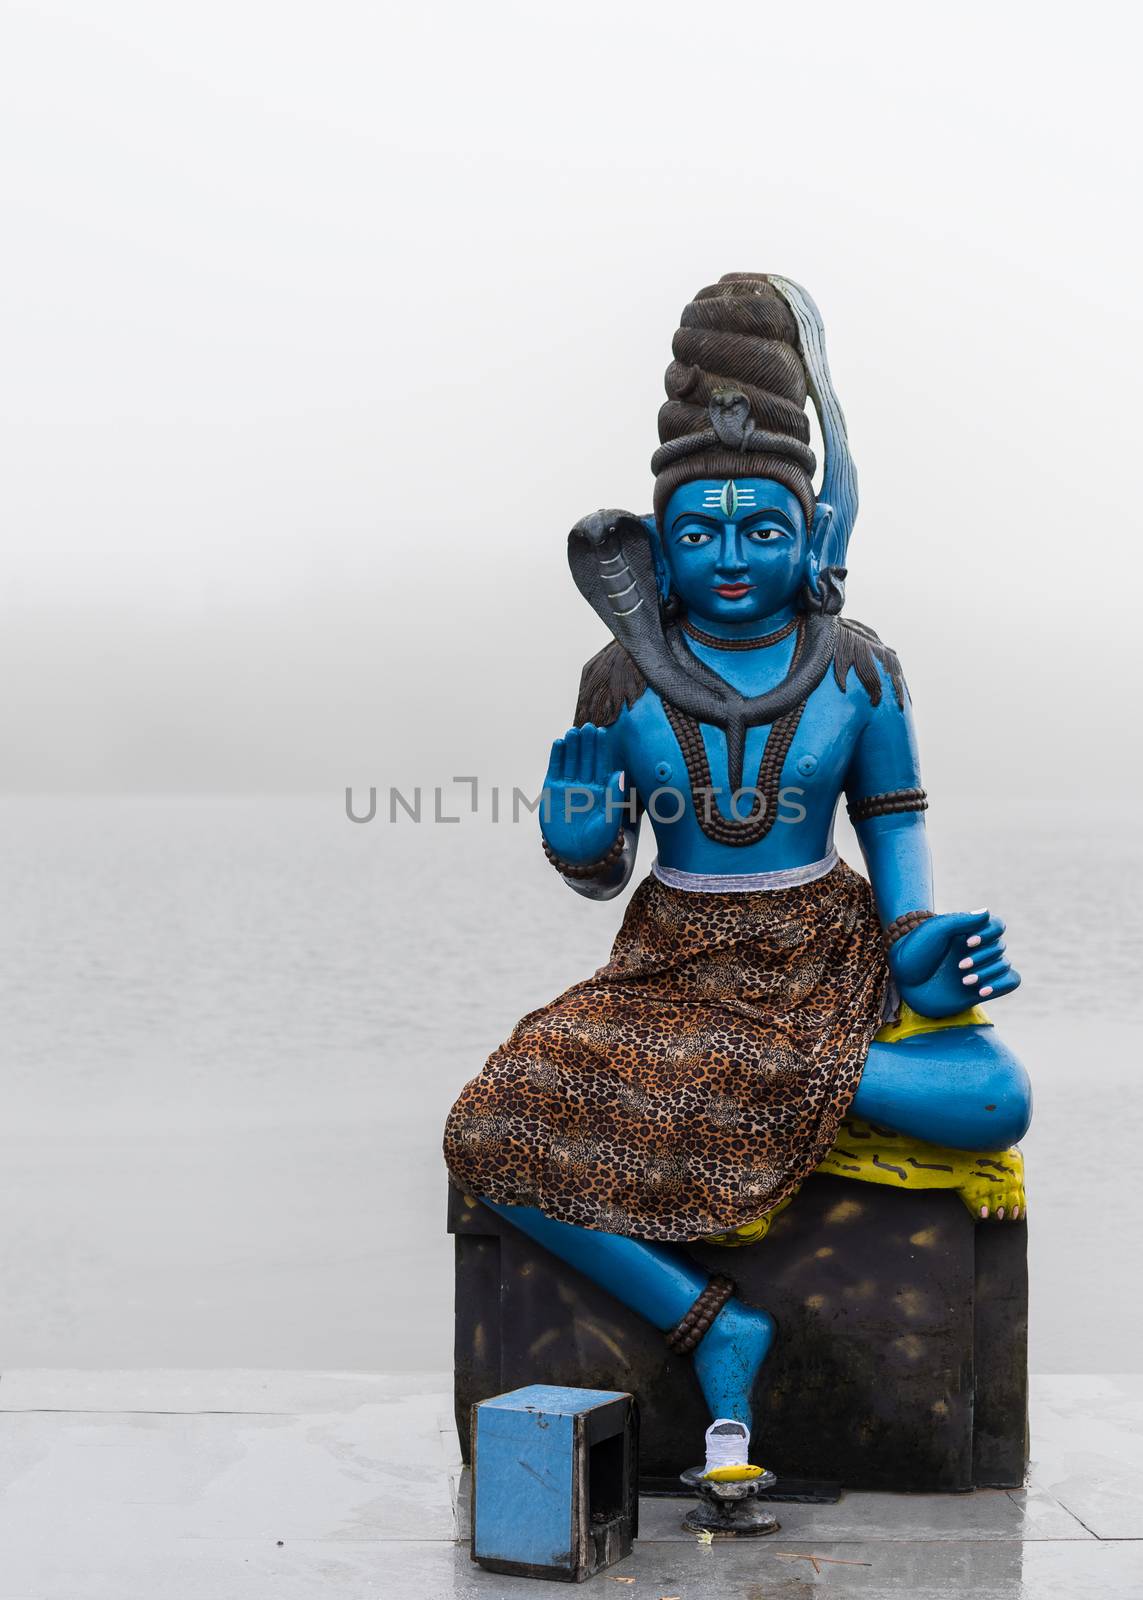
[767,1011]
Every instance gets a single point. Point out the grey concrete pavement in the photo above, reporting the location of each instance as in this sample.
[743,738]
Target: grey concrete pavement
[271,1486]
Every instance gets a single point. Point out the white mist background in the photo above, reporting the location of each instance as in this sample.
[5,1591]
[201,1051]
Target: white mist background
[321,325]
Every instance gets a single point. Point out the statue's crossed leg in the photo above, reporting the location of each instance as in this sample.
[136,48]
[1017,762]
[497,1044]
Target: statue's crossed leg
[943,1113]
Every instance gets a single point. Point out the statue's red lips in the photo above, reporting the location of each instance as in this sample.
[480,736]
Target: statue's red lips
[732,591]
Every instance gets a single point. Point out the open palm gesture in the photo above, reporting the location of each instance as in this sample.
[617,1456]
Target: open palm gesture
[583,796]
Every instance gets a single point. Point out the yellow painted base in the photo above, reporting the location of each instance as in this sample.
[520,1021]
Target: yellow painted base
[750,1232]
[989,1182]
[909,1023]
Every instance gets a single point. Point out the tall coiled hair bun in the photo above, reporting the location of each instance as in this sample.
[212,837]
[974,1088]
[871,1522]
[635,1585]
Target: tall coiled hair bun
[736,393]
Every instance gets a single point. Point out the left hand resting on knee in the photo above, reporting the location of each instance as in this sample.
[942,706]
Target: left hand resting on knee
[950,962]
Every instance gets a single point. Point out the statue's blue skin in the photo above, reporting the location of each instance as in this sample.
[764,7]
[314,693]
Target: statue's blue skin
[741,576]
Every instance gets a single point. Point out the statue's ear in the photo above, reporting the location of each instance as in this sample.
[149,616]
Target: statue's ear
[825,575]
[662,572]
[824,551]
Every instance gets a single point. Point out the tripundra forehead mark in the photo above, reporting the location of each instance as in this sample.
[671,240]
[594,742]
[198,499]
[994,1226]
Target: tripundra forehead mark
[730,499]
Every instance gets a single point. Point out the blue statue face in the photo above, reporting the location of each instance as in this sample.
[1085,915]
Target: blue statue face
[737,549]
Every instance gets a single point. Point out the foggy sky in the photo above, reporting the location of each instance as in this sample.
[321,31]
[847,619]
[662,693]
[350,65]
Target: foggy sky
[321,325]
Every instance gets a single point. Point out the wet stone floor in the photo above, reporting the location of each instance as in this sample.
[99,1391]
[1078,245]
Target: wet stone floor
[282,1485]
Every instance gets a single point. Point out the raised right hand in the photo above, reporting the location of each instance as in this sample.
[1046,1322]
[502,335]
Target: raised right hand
[583,806]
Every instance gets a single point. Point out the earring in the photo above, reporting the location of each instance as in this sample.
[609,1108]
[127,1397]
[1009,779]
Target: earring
[825,591]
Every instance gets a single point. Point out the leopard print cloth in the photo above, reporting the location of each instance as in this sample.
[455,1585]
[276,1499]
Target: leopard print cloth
[693,1082]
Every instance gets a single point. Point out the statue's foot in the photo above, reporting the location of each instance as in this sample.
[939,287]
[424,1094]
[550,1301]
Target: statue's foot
[990,1182]
[729,1357]
[993,1189]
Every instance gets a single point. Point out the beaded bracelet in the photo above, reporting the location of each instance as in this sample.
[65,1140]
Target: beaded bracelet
[590,869]
[905,923]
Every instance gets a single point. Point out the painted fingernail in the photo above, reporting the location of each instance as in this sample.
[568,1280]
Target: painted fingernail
[971,977]
[986,991]
[1015,1213]
[979,912]
[1000,1212]
[973,941]
[967,962]
[984,1211]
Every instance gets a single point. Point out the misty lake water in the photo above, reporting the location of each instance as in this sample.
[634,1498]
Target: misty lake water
[233,1027]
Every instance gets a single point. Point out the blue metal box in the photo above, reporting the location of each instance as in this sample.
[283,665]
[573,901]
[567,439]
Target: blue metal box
[554,1481]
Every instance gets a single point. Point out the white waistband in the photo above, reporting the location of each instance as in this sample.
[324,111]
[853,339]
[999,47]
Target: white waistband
[743,882]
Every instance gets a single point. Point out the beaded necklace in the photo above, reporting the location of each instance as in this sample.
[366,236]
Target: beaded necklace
[686,729]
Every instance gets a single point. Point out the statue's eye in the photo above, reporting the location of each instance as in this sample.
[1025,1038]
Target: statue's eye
[761,535]
[696,536]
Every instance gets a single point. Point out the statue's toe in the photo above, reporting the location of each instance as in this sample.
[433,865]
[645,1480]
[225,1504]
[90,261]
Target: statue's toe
[993,1186]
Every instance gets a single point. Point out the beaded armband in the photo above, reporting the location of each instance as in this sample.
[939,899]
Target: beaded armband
[589,869]
[685,1335]
[884,805]
[905,923]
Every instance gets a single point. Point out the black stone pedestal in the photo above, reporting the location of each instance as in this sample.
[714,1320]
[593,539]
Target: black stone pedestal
[900,1363]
